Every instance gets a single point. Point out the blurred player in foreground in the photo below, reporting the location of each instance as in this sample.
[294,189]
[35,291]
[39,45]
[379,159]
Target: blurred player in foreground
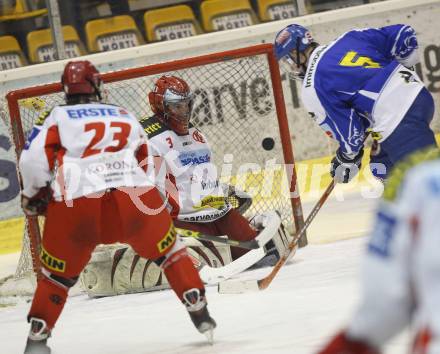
[401,270]
[99,194]
[362,82]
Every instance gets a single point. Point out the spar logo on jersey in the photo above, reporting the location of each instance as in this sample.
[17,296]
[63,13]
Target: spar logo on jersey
[196,157]
[198,137]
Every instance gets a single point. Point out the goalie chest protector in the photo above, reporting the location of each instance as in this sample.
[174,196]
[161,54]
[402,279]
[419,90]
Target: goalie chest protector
[190,179]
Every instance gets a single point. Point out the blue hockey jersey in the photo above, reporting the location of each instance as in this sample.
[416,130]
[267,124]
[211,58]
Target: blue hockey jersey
[361,81]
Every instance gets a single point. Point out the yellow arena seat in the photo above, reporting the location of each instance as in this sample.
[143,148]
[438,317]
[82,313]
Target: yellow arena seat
[170,23]
[11,55]
[112,33]
[219,15]
[20,11]
[273,10]
[41,49]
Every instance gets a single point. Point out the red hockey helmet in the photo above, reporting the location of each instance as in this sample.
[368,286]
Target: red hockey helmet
[81,78]
[172,101]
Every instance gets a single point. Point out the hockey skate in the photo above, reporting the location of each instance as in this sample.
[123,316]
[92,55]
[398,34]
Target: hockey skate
[37,339]
[197,308]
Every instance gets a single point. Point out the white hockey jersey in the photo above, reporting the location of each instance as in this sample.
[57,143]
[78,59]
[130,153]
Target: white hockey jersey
[185,173]
[360,82]
[82,149]
[401,271]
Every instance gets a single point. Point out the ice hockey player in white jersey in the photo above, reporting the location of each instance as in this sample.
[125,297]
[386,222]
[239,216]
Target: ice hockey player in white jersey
[198,203]
[90,153]
[358,83]
[186,173]
[401,269]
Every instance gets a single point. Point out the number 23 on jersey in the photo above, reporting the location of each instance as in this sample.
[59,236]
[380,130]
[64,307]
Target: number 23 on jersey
[120,132]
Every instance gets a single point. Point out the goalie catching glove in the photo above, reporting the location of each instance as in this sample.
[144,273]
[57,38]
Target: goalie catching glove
[36,205]
[343,169]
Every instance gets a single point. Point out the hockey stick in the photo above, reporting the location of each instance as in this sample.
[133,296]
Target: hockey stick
[231,287]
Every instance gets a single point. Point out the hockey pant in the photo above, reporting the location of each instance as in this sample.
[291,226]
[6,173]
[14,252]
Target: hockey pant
[233,224]
[72,233]
[413,133]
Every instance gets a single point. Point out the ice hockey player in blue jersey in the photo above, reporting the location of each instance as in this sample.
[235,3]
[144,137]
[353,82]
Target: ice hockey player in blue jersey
[362,82]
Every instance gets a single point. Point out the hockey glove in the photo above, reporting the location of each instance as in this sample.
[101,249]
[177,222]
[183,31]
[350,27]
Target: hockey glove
[36,205]
[343,169]
[341,344]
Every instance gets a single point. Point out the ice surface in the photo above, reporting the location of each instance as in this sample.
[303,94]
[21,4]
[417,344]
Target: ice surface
[307,302]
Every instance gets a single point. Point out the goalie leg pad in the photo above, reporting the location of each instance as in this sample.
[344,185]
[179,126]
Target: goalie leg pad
[269,223]
[280,244]
[276,248]
[117,269]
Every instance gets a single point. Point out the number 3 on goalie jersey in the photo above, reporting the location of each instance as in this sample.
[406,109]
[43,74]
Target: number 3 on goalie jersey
[353,58]
[121,132]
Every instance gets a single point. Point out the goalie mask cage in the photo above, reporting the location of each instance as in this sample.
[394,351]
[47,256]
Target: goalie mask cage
[238,103]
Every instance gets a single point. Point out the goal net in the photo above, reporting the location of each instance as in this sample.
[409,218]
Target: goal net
[238,105]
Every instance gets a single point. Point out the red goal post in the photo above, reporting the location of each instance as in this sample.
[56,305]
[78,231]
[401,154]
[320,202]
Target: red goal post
[238,102]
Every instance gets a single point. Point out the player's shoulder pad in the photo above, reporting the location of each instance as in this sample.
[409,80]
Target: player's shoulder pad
[399,172]
[42,117]
[153,126]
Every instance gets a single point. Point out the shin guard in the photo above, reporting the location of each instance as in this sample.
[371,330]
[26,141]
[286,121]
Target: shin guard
[48,302]
[181,273]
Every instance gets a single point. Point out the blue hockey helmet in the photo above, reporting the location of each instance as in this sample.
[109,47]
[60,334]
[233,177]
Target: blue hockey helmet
[291,43]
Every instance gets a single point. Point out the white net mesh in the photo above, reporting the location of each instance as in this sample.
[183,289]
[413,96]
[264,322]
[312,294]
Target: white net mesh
[234,107]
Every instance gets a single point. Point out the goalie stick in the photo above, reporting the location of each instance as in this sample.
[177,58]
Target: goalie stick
[250,245]
[210,275]
[237,286]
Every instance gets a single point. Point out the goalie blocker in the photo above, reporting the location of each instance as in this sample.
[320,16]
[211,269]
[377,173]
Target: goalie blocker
[119,270]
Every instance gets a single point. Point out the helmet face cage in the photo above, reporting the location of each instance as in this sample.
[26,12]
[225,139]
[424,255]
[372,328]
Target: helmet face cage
[290,48]
[172,101]
[289,65]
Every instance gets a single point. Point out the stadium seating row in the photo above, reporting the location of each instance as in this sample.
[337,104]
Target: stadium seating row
[121,31]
